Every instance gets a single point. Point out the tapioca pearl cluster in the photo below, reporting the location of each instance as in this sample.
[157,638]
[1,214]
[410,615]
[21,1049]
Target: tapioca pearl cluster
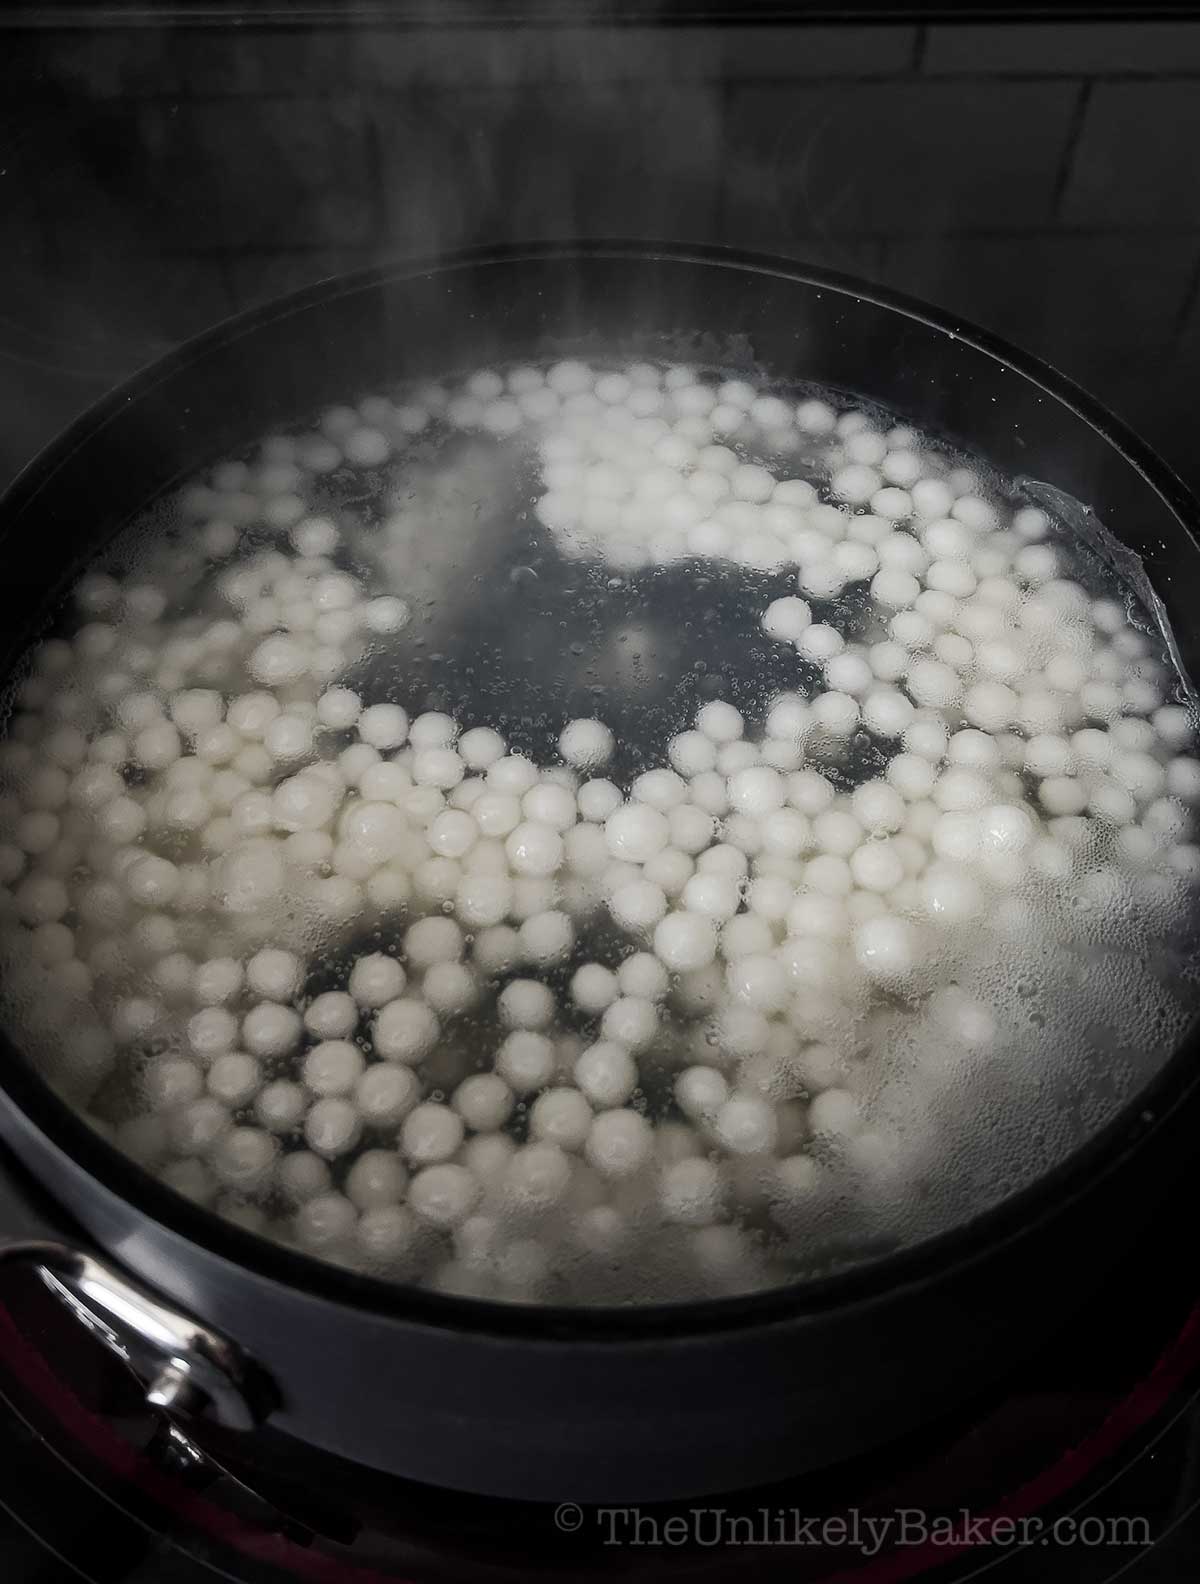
[643,470]
[760,901]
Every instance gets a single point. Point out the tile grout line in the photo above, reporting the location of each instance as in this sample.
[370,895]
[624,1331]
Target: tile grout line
[1070,147]
[1190,297]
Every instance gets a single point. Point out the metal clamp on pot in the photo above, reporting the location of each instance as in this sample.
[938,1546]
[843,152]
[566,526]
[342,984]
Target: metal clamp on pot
[184,1367]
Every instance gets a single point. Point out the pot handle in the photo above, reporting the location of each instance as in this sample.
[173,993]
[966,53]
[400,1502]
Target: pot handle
[184,1367]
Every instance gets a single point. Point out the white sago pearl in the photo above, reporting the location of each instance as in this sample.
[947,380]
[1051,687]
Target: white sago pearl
[450,988]
[597,799]
[1006,828]
[438,767]
[277,661]
[385,1094]
[234,1078]
[912,776]
[333,1067]
[1062,795]
[375,980]
[819,643]
[338,708]
[848,673]
[1174,725]
[746,1124]
[526,1060]
[385,615]
[534,849]
[156,746]
[191,1178]
[630,1021]
[878,807]
[550,804]
[835,1112]
[619,1142]
[195,709]
[303,1176]
[444,1194]
[815,417]
[886,948]
[949,894]
[546,937]
[433,729]
[383,726]
[789,717]
[483,899]
[759,981]
[757,791]
[786,832]
[484,1101]
[642,975]
[481,747]
[586,744]
[1183,778]
[376,1179]
[270,1030]
[593,987]
[856,483]
[244,1158]
[732,757]
[720,722]
[288,738]
[691,828]
[513,774]
[636,832]
[690,753]
[496,813]
[606,1074]
[195,1128]
[331,1015]
[957,789]
[212,1032]
[716,896]
[787,618]
[303,802]
[525,1004]
[280,1106]
[170,1081]
[405,1030]
[685,941]
[536,1176]
[275,974]
[638,906]
[217,981]
[433,940]
[690,1191]
[561,1116]
[325,1221]
[894,588]
[152,881]
[877,866]
[1134,736]
[1139,773]
[430,1133]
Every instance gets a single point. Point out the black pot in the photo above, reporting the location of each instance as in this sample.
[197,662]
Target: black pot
[541,1402]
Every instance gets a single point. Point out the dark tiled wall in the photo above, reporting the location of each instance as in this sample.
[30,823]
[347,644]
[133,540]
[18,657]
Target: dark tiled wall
[1038,179]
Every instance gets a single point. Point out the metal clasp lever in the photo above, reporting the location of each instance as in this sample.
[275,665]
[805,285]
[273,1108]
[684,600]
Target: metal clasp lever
[184,1367]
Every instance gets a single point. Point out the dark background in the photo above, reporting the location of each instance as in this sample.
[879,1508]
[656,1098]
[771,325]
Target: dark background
[1040,178]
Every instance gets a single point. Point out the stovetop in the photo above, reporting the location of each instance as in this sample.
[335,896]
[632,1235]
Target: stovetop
[1084,1467]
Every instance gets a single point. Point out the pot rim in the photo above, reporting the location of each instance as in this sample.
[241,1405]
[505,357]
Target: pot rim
[918,1264]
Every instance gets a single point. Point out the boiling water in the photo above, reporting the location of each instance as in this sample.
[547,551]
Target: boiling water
[908,919]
